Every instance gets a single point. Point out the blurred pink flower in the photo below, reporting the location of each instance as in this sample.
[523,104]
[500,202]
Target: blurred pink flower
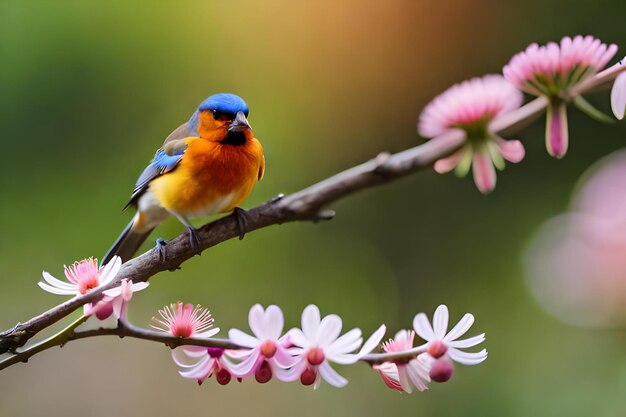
[403,375]
[185,320]
[575,263]
[318,343]
[267,354]
[618,96]
[441,342]
[552,70]
[471,106]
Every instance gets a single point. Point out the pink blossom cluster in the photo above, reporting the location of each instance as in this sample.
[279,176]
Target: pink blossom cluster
[557,72]
[306,353]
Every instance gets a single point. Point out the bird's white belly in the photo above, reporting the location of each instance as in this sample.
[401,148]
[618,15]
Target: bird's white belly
[218,205]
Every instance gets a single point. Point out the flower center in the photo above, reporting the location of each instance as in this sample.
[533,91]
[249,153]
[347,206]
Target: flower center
[437,349]
[182,329]
[315,356]
[215,353]
[268,348]
[88,283]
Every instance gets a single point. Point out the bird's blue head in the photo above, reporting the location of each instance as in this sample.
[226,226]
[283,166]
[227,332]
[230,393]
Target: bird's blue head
[220,114]
[225,103]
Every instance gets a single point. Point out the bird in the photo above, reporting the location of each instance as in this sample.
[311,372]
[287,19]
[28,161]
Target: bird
[206,166]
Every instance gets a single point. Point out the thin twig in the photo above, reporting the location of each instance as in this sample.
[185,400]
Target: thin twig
[126,329]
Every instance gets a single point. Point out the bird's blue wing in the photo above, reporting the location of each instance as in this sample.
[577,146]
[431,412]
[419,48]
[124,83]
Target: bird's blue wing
[162,163]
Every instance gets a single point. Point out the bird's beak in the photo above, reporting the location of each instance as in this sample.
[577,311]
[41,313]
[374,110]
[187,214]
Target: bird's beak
[240,123]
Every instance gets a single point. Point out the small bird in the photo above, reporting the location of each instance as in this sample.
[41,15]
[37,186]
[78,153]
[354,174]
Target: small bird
[206,166]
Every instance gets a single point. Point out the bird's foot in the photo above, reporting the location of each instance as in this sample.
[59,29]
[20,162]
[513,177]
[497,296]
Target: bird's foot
[194,239]
[161,249]
[241,216]
[276,198]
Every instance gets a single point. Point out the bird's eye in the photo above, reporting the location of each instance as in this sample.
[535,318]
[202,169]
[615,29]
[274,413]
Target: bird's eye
[219,115]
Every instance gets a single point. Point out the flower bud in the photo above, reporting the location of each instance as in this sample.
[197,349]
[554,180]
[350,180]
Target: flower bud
[264,373]
[308,377]
[441,370]
[223,376]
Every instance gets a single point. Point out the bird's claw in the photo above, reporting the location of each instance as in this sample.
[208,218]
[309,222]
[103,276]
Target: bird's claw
[194,240]
[241,216]
[161,249]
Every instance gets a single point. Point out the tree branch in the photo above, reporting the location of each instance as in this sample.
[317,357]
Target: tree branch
[125,329]
[304,205]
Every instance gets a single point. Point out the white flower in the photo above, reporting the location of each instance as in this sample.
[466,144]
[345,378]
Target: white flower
[319,343]
[266,346]
[442,342]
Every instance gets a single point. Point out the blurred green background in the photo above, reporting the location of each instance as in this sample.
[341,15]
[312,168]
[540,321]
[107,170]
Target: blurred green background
[89,90]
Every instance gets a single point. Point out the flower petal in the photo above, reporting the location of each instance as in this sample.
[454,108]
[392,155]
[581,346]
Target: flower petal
[208,333]
[418,374]
[373,341]
[243,339]
[467,358]
[256,320]
[310,321]
[274,322]
[511,150]
[467,343]
[331,376]
[440,321]
[403,379]
[422,327]
[448,164]
[329,330]
[297,338]
[248,365]
[618,96]
[55,290]
[556,130]
[58,283]
[200,370]
[461,328]
[110,270]
[484,172]
[345,343]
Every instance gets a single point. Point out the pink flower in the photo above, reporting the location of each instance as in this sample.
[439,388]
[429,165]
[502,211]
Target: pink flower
[83,276]
[402,375]
[553,70]
[267,354]
[471,106]
[618,96]
[113,306]
[200,363]
[185,320]
[319,343]
[443,344]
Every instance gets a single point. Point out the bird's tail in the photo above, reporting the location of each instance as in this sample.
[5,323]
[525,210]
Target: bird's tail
[127,244]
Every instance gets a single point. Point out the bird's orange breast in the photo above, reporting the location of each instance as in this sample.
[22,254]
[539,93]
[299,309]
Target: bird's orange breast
[211,177]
